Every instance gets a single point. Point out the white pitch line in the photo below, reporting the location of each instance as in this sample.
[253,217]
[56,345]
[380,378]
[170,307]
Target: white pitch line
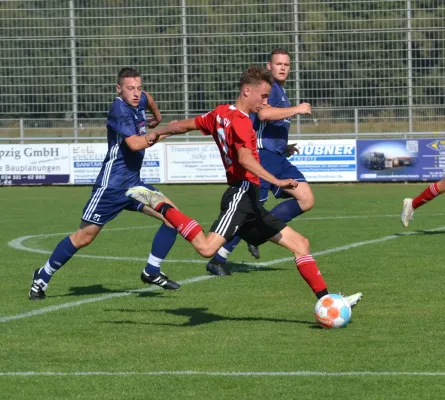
[18,243]
[203,277]
[351,246]
[96,299]
[336,217]
[222,373]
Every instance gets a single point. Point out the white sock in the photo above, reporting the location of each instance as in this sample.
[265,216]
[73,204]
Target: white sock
[48,269]
[224,253]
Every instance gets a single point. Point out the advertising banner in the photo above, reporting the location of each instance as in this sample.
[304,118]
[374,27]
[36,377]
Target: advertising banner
[194,162]
[432,159]
[153,166]
[327,160]
[86,162]
[34,164]
[333,160]
[401,160]
[87,159]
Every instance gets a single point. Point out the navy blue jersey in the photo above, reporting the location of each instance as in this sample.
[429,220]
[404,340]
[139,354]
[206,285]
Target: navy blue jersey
[121,167]
[273,135]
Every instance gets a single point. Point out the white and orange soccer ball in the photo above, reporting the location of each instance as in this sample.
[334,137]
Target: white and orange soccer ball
[333,311]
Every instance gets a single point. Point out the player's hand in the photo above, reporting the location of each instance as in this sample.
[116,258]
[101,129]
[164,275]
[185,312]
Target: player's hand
[291,149]
[151,138]
[304,108]
[287,183]
[152,122]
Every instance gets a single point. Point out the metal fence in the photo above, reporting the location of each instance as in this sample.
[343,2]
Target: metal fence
[373,68]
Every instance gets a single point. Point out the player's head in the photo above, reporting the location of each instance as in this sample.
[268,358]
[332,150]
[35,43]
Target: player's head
[279,65]
[255,84]
[129,86]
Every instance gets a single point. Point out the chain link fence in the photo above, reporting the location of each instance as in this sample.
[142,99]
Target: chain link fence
[369,68]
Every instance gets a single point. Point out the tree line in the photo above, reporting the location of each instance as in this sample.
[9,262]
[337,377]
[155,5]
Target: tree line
[350,54]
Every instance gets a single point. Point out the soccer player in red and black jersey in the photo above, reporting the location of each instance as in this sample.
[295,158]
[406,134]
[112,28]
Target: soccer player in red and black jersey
[241,211]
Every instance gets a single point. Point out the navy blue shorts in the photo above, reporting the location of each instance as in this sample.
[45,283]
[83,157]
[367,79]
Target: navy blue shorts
[106,203]
[280,167]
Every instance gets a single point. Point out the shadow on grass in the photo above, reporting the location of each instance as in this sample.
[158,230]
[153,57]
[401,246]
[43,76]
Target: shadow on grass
[316,326]
[235,267]
[431,232]
[201,316]
[100,289]
[418,232]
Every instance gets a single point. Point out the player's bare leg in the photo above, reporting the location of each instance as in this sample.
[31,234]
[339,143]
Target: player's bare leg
[87,231]
[85,235]
[306,265]
[292,241]
[303,194]
[305,198]
[206,246]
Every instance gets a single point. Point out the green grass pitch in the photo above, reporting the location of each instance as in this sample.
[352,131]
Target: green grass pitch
[101,334]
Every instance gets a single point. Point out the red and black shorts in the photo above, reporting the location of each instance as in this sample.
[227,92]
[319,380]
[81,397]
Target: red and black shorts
[243,215]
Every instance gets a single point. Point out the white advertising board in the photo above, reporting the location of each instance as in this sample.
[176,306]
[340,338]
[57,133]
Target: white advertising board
[87,159]
[332,160]
[194,162]
[26,164]
[327,160]
[153,166]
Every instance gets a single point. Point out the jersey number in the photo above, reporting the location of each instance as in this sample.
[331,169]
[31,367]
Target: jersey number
[225,148]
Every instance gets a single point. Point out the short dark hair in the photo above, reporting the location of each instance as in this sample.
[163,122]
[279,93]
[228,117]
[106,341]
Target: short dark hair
[278,50]
[254,75]
[127,72]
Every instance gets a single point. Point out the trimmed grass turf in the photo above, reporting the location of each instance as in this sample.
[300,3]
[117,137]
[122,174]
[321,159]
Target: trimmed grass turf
[258,320]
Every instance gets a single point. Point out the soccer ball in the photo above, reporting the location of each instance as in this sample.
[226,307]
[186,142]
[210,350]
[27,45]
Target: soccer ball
[333,311]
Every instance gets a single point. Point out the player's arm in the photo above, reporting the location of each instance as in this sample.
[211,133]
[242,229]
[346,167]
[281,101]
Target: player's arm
[136,143]
[204,123]
[177,127]
[248,162]
[157,139]
[269,113]
[173,128]
[153,108]
[162,137]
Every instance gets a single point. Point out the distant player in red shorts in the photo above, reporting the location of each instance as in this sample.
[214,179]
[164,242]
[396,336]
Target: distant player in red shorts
[241,211]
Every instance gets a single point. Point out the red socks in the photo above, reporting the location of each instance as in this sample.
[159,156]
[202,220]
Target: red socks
[311,274]
[187,227]
[428,194]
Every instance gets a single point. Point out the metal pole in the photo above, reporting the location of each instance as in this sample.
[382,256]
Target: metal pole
[73,69]
[356,122]
[22,130]
[297,64]
[410,67]
[184,57]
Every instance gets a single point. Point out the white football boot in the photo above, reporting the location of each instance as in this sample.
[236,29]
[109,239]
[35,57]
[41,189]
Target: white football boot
[146,196]
[353,299]
[407,212]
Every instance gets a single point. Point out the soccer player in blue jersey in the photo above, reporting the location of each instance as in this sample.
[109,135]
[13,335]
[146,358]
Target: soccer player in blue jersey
[126,126]
[272,127]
